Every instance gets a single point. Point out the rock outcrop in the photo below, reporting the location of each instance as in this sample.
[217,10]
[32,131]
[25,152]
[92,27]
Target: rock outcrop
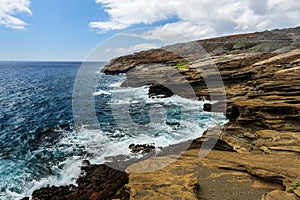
[98,182]
[260,72]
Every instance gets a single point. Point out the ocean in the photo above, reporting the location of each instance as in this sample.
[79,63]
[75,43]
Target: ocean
[45,132]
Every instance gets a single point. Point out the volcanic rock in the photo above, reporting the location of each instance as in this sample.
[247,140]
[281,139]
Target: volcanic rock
[156,90]
[261,87]
[99,182]
[141,148]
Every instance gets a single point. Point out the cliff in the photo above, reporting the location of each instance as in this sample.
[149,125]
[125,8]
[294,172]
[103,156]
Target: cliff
[257,155]
[260,72]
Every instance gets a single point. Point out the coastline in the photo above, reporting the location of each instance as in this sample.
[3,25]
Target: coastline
[261,143]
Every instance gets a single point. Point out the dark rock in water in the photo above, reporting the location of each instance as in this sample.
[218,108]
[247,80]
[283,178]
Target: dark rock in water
[49,136]
[141,148]
[99,182]
[156,90]
[216,107]
[207,107]
[25,198]
[49,193]
[86,163]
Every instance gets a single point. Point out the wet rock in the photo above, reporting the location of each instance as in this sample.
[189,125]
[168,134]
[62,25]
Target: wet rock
[207,107]
[142,148]
[232,112]
[46,136]
[86,163]
[216,107]
[159,91]
[54,193]
[99,182]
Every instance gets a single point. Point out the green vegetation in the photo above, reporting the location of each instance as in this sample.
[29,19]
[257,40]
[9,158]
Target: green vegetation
[182,65]
[293,187]
[240,45]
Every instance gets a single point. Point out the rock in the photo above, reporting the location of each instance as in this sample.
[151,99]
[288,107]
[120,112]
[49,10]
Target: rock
[216,107]
[232,112]
[46,136]
[259,73]
[141,148]
[297,192]
[86,163]
[207,107]
[170,182]
[99,182]
[170,177]
[160,91]
[25,198]
[125,63]
[279,195]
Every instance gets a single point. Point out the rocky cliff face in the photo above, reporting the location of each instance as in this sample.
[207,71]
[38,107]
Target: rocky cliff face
[261,78]
[257,155]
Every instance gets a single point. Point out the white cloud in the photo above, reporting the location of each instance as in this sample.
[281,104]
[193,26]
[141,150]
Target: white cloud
[175,32]
[8,11]
[200,18]
[133,48]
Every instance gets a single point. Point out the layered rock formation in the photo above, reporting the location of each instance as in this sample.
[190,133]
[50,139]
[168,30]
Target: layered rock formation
[257,155]
[261,78]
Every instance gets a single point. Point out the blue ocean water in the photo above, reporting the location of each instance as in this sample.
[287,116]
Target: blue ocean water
[39,144]
[34,97]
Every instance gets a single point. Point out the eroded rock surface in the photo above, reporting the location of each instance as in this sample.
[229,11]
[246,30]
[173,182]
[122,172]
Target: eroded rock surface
[261,79]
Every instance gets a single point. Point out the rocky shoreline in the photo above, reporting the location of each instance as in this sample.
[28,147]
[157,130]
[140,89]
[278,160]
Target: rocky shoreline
[257,154]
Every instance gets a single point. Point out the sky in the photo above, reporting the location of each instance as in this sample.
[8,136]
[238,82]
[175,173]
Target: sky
[68,30]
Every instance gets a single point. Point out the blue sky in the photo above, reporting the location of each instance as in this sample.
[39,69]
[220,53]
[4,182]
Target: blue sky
[56,30]
[70,29]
